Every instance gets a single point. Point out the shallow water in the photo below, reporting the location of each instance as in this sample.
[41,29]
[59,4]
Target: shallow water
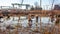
[24,21]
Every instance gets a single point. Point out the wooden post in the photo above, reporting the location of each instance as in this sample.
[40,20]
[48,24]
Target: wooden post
[29,19]
[40,23]
[36,23]
[40,16]
[18,25]
[9,30]
[13,18]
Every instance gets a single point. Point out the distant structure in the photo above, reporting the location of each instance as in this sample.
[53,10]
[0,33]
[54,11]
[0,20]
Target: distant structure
[38,8]
[27,5]
[56,7]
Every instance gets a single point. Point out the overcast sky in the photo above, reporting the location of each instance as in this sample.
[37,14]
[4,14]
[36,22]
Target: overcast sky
[45,3]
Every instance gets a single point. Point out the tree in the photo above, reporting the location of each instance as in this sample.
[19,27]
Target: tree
[36,4]
[32,8]
[37,7]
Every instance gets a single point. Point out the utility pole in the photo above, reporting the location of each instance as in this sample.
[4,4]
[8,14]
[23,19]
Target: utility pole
[22,2]
[40,2]
[52,4]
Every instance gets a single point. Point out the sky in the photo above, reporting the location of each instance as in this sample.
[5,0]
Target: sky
[46,4]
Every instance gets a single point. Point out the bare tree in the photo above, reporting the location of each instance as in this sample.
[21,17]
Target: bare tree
[37,7]
[36,4]
[32,8]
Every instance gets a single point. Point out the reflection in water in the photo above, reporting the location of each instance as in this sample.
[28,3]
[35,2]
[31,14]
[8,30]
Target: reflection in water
[24,21]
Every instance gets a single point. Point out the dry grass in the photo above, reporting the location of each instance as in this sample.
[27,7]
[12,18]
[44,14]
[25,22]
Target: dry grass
[47,30]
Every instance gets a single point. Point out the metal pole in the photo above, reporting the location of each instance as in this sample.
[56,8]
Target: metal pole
[40,2]
[52,4]
[22,2]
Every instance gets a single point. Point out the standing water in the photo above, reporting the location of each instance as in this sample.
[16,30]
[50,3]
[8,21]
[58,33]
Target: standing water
[24,21]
